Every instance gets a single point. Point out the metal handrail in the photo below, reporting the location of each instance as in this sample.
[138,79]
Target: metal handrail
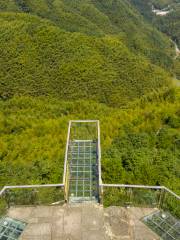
[101,185]
[30,186]
[85,121]
[143,187]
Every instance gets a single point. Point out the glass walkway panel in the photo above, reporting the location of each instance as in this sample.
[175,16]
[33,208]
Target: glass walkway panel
[83,171]
[83,163]
[11,229]
[164,224]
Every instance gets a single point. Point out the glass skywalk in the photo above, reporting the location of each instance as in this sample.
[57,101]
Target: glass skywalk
[83,168]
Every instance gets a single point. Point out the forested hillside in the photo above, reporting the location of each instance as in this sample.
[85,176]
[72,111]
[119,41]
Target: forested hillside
[139,145]
[38,58]
[170,23]
[91,59]
[99,18]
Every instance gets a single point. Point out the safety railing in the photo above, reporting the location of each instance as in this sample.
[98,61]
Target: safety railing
[141,196]
[109,194]
[48,194]
[170,202]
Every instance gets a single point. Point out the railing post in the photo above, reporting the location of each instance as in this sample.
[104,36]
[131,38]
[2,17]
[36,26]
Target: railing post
[130,195]
[66,153]
[162,200]
[3,204]
[34,196]
[101,194]
[66,185]
[66,172]
[99,163]
[7,197]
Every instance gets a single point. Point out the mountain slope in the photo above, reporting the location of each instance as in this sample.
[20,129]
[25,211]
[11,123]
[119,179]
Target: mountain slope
[37,58]
[99,18]
[139,144]
[169,23]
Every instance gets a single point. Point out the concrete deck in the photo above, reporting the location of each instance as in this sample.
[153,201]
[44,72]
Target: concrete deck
[83,222]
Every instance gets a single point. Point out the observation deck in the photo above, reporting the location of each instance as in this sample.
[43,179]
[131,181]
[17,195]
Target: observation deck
[82,207]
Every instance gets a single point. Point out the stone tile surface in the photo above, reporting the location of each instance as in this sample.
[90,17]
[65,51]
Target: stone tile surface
[83,222]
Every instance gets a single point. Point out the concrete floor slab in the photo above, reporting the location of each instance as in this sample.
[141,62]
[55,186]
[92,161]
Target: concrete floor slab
[37,238]
[140,229]
[83,222]
[38,229]
[42,211]
[57,228]
[57,211]
[20,213]
[73,215]
[93,235]
[92,218]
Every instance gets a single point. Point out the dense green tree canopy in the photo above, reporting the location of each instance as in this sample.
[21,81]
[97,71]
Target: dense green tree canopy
[99,18]
[169,23]
[38,58]
[139,145]
[88,59]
